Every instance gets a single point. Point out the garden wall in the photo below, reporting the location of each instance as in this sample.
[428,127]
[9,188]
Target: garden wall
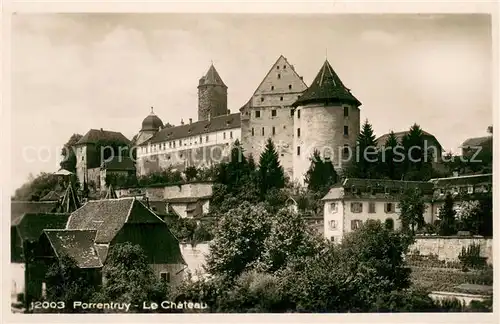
[449,247]
[186,190]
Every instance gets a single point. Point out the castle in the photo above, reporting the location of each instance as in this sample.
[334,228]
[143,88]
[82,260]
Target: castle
[299,119]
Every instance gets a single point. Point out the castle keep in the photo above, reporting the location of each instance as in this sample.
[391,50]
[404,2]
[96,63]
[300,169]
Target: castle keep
[299,120]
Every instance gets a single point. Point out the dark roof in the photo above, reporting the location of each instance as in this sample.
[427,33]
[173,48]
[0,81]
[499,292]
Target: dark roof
[218,123]
[390,184]
[95,135]
[399,136]
[463,180]
[70,201]
[30,225]
[51,196]
[76,244]
[211,78]
[119,163]
[109,216]
[151,122]
[476,141]
[18,208]
[327,87]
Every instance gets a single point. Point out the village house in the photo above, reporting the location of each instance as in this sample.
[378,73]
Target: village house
[96,227]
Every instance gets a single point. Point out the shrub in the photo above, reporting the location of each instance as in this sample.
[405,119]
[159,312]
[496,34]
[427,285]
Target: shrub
[471,257]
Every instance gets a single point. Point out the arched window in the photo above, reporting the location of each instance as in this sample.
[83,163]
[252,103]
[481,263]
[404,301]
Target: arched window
[389,223]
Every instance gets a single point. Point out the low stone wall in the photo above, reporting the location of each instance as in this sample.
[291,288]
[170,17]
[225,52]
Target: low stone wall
[186,190]
[449,247]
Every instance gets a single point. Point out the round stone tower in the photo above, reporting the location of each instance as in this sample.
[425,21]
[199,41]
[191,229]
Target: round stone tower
[212,96]
[327,119]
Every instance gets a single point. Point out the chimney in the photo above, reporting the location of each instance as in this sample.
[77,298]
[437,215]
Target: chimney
[182,121]
[190,120]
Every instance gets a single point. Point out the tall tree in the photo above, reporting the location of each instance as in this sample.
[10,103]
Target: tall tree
[412,208]
[321,174]
[417,164]
[270,173]
[390,161]
[366,157]
[447,220]
[68,161]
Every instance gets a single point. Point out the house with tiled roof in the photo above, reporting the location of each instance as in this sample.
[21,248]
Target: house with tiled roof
[471,145]
[93,229]
[101,150]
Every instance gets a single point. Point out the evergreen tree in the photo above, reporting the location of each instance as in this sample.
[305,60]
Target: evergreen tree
[417,162]
[321,174]
[447,222]
[391,163]
[270,173]
[366,157]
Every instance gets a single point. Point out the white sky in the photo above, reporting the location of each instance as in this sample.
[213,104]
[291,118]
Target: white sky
[73,72]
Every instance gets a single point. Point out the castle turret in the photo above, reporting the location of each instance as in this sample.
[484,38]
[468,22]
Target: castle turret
[150,125]
[212,95]
[326,118]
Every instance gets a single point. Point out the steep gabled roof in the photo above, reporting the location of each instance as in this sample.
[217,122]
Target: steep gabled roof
[474,179]
[327,88]
[96,135]
[212,78]
[108,216]
[18,208]
[476,141]
[215,124]
[76,244]
[31,225]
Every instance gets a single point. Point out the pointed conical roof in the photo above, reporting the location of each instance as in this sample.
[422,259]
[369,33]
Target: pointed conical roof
[70,201]
[212,78]
[327,87]
[110,194]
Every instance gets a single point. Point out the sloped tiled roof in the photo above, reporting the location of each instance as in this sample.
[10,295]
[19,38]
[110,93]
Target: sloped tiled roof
[212,78]
[119,163]
[109,216]
[95,135]
[18,208]
[76,244]
[51,196]
[327,87]
[463,180]
[215,124]
[476,141]
[399,136]
[31,225]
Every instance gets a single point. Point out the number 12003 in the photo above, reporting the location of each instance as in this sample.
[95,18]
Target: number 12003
[47,305]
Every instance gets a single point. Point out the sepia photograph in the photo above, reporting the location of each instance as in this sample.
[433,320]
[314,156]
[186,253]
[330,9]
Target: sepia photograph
[198,163]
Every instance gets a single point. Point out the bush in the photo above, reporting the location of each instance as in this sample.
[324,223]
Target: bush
[471,257]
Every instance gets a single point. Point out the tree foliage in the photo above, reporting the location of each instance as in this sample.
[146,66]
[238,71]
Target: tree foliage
[68,153]
[321,174]
[447,217]
[270,172]
[39,186]
[412,208]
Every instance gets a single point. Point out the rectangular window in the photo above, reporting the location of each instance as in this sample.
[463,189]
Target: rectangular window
[389,208]
[201,139]
[262,131]
[292,112]
[356,224]
[333,207]
[356,207]
[274,130]
[298,113]
[298,150]
[165,276]
[173,144]
[257,114]
[332,224]
[230,134]
[346,130]
[170,144]
[206,138]
[332,238]
[470,189]
[180,142]
[224,135]
[273,113]
[371,208]
[346,111]
[253,131]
